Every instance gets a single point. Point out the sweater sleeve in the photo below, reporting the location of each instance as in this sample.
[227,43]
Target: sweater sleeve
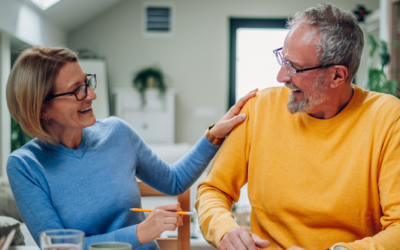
[174,179]
[33,199]
[389,192]
[216,194]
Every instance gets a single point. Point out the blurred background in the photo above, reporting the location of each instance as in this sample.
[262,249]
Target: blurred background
[171,67]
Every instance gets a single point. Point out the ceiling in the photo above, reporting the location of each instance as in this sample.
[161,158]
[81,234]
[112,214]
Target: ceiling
[70,14]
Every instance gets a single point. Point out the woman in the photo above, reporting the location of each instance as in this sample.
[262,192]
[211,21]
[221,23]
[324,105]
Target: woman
[79,173]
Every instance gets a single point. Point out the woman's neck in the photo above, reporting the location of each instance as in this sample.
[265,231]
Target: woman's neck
[68,137]
[72,142]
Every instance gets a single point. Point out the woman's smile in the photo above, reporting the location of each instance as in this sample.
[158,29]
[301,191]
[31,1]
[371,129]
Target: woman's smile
[86,110]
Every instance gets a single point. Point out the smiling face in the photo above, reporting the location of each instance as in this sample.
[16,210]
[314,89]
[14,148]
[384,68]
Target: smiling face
[67,115]
[308,89]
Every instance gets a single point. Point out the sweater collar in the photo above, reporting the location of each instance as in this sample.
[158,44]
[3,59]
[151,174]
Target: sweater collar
[337,118]
[76,153]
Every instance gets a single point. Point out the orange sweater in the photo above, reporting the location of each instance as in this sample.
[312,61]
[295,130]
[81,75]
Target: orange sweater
[312,183]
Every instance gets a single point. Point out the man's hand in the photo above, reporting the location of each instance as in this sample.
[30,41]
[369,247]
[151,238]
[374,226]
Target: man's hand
[232,117]
[238,239]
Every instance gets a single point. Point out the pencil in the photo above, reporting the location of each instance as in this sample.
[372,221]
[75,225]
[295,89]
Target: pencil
[151,210]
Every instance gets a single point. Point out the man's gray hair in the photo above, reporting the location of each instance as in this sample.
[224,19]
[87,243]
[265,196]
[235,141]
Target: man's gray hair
[341,38]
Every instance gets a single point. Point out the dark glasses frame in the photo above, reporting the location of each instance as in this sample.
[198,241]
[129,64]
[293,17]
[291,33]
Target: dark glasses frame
[291,70]
[86,85]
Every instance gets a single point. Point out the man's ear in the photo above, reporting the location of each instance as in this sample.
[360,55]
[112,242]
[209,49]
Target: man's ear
[340,74]
[43,112]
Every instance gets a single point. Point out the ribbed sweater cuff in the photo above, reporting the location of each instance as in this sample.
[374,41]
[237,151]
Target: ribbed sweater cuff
[206,145]
[127,234]
[222,227]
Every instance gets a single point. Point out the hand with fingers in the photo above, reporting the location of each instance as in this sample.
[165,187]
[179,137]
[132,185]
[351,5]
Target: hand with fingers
[239,238]
[232,117]
[163,218]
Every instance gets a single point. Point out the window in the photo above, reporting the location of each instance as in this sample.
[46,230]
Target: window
[252,62]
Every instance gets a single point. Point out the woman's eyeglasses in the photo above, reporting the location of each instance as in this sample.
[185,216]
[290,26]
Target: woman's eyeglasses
[80,92]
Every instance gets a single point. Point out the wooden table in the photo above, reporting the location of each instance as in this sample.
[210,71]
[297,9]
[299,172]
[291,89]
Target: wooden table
[24,248]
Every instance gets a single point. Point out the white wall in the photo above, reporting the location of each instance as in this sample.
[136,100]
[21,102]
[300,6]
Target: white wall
[362,72]
[384,30]
[26,23]
[19,20]
[5,122]
[196,58]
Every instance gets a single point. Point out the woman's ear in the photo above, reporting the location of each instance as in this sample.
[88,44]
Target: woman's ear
[340,75]
[43,112]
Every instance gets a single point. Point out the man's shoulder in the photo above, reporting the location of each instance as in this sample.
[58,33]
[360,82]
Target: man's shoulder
[273,92]
[380,103]
[272,95]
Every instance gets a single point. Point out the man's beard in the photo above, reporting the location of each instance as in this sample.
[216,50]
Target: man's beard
[308,102]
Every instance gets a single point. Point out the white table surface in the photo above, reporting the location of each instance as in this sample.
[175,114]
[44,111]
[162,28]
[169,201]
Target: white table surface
[199,242]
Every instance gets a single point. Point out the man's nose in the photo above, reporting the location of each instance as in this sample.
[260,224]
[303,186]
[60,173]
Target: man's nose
[283,75]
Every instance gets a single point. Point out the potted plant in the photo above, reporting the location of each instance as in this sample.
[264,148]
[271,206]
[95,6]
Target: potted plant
[148,78]
[376,78]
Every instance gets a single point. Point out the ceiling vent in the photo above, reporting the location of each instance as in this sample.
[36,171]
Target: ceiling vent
[158,20]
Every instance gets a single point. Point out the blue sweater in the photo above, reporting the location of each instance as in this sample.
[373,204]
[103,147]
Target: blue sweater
[92,188]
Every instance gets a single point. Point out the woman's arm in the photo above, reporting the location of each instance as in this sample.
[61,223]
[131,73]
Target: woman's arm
[175,179]
[33,197]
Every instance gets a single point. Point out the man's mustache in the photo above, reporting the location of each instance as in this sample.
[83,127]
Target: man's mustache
[290,85]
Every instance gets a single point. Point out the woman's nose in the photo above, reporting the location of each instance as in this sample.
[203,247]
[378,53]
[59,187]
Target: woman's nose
[91,95]
[283,75]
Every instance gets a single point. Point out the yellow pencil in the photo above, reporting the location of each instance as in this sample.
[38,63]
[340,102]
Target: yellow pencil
[151,210]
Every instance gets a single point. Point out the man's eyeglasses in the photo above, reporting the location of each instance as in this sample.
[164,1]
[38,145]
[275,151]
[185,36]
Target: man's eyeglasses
[289,66]
[80,92]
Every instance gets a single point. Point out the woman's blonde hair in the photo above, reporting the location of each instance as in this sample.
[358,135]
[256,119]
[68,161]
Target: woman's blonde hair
[30,82]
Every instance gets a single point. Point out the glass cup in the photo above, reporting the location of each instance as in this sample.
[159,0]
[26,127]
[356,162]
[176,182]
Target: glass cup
[62,239]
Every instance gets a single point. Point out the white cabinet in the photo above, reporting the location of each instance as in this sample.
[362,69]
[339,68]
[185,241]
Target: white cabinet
[155,122]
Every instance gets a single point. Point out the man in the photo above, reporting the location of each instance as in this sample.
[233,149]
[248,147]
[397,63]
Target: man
[324,175]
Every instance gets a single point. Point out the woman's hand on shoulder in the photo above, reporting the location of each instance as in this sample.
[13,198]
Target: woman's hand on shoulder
[232,117]
[163,218]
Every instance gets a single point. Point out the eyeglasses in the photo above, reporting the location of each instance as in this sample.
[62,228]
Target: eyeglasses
[81,91]
[289,66]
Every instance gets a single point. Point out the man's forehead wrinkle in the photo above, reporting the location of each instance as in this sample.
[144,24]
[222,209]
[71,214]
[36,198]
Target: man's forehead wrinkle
[307,34]
[300,39]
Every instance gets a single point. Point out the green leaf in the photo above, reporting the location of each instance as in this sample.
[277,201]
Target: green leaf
[373,44]
[376,80]
[392,86]
[383,54]
[18,137]
[140,81]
